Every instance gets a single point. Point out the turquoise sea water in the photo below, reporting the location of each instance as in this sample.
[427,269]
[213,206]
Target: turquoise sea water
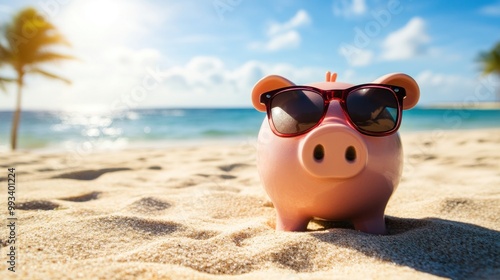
[56,130]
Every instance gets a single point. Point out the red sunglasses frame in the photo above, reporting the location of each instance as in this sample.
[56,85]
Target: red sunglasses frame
[340,94]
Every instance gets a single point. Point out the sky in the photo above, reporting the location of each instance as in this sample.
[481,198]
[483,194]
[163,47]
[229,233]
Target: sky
[210,53]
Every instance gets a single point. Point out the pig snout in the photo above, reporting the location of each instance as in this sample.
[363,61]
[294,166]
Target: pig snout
[333,151]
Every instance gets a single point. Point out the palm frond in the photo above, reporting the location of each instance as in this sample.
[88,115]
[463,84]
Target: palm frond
[50,56]
[490,60]
[49,75]
[3,81]
[29,35]
[53,38]
[4,55]
[6,80]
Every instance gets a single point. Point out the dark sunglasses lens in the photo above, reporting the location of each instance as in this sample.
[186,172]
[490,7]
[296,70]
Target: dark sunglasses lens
[295,111]
[373,109]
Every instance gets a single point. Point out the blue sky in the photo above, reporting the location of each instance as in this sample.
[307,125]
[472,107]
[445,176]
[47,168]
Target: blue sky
[209,53]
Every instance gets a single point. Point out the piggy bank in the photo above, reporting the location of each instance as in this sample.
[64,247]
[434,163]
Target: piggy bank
[330,150]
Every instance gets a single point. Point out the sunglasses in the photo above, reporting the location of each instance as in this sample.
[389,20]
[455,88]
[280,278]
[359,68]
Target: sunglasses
[372,109]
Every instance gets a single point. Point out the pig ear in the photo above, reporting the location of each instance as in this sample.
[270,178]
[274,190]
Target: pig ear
[403,80]
[267,84]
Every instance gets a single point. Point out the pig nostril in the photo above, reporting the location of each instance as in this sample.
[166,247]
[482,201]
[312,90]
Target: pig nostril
[350,154]
[319,152]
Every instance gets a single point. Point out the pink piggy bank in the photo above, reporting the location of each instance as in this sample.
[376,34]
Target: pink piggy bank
[330,150]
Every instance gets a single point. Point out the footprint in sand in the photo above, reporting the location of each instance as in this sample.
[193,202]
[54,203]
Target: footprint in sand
[83,197]
[37,205]
[201,234]
[45,169]
[88,174]
[149,205]
[127,224]
[155,167]
[244,234]
[295,256]
[214,176]
[231,167]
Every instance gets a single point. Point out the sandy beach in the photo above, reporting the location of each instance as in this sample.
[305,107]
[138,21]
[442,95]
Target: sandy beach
[201,213]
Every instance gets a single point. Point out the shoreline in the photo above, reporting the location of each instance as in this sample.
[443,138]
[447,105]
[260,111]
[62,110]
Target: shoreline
[191,143]
[463,106]
[143,145]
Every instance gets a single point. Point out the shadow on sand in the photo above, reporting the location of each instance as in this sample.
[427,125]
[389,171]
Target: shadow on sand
[440,247]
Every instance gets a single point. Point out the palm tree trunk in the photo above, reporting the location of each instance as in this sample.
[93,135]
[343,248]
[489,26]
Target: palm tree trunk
[17,113]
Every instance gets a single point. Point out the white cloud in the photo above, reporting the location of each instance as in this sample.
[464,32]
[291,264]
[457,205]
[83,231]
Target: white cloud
[209,82]
[348,8]
[407,42]
[438,87]
[356,56]
[437,80]
[290,39]
[283,35]
[301,18]
[490,10]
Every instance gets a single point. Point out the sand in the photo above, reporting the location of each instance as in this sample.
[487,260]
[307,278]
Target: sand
[201,213]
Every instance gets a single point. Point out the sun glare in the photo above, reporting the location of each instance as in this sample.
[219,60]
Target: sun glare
[100,14]
[95,22]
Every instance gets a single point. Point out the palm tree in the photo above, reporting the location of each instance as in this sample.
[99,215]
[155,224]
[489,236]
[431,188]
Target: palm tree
[490,62]
[27,41]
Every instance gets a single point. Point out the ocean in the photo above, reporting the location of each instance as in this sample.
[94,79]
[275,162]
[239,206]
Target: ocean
[60,130]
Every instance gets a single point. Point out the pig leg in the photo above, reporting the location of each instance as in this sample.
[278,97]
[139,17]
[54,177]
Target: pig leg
[373,223]
[290,222]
